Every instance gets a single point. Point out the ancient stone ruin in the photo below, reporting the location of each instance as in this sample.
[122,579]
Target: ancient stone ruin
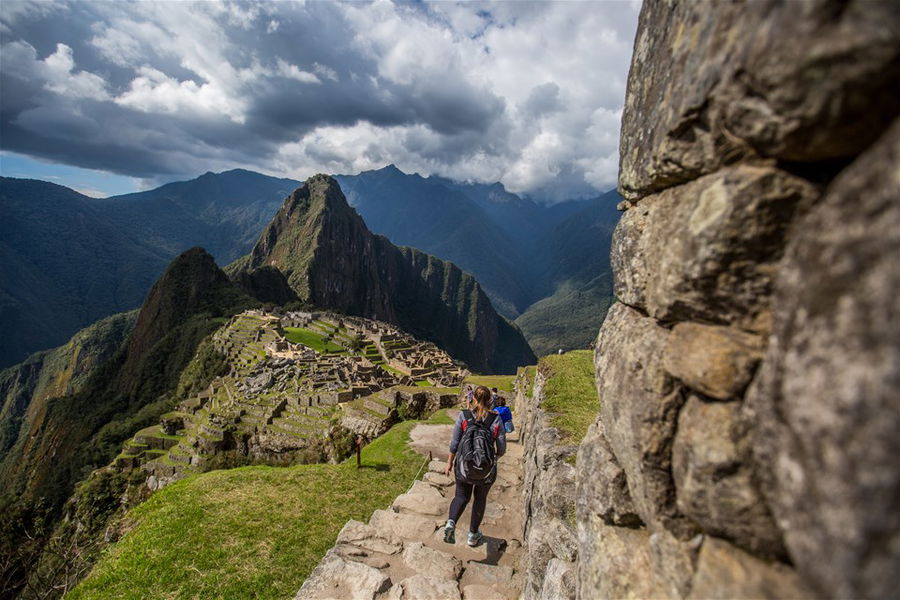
[748,378]
[282,398]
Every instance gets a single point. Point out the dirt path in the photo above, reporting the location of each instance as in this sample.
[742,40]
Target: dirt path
[401,553]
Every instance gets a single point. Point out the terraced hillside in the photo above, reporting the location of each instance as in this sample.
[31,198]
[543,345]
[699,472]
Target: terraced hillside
[299,388]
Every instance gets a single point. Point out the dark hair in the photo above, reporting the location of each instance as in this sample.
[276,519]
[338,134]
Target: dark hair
[494,390]
[501,401]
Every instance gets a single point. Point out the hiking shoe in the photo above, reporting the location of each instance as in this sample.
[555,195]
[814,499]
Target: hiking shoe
[449,534]
[475,538]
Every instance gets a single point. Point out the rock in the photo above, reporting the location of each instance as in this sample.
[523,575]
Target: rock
[601,485]
[420,587]
[493,510]
[437,466]
[438,479]
[718,361]
[723,571]
[639,408]
[674,561]
[492,574]
[707,250]
[423,499]
[561,539]
[713,478]
[485,592]
[800,81]
[559,581]
[825,401]
[430,562]
[336,577]
[405,526]
[369,538]
[614,562]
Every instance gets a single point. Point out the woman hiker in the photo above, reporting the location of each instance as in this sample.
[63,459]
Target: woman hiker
[479,438]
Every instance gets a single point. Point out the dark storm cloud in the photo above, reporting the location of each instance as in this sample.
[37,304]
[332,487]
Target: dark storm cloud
[167,90]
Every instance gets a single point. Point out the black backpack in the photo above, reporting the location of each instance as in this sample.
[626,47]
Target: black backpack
[476,460]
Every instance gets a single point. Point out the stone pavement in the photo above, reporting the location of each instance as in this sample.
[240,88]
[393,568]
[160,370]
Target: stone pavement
[401,555]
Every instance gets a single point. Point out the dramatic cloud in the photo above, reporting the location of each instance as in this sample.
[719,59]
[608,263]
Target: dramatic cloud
[527,93]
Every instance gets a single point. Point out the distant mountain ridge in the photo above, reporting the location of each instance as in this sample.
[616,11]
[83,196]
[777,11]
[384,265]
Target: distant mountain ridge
[67,260]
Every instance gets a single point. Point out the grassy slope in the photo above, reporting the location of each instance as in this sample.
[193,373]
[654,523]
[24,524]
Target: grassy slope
[569,394]
[503,383]
[250,532]
[311,339]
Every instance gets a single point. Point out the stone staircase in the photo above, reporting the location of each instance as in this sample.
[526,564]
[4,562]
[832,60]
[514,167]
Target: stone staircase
[400,553]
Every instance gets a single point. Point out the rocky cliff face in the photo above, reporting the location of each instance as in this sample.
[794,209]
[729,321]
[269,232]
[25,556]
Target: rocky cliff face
[330,259]
[746,444]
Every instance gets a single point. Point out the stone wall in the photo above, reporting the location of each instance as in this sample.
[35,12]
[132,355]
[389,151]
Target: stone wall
[549,497]
[747,440]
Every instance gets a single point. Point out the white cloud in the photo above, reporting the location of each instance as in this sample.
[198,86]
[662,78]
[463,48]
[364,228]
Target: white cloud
[527,93]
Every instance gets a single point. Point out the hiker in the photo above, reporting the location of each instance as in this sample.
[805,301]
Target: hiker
[494,395]
[469,394]
[505,415]
[479,438]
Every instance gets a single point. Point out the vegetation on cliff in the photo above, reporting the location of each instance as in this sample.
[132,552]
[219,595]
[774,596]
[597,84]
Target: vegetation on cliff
[569,393]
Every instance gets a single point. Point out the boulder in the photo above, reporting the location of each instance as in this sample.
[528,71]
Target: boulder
[405,526]
[825,401]
[639,407]
[422,498]
[717,361]
[336,577]
[430,562]
[422,587]
[438,479]
[799,81]
[714,479]
[487,573]
[559,581]
[707,250]
[724,571]
[602,489]
[674,561]
[369,538]
[614,562]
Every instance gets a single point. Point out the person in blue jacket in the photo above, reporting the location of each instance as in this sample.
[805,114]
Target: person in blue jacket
[505,415]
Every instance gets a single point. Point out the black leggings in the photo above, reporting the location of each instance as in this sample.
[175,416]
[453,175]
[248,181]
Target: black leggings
[463,493]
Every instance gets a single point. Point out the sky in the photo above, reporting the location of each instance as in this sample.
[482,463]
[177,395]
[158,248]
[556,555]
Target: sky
[112,97]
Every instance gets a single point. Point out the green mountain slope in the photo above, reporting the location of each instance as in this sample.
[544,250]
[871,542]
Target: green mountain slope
[67,260]
[330,259]
[68,435]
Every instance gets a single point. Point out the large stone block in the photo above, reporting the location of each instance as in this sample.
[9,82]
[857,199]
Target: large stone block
[707,250]
[713,477]
[639,405]
[559,582]
[798,81]
[826,398]
[602,488]
[674,561]
[336,577]
[615,563]
[718,361]
[724,571]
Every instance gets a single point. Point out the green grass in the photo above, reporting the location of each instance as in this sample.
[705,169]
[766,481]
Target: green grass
[253,532]
[569,394]
[423,384]
[387,367]
[503,383]
[298,335]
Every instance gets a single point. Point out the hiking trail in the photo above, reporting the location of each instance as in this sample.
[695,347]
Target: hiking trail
[401,555]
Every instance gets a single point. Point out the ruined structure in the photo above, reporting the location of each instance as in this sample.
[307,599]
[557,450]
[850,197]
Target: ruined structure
[282,397]
[747,439]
